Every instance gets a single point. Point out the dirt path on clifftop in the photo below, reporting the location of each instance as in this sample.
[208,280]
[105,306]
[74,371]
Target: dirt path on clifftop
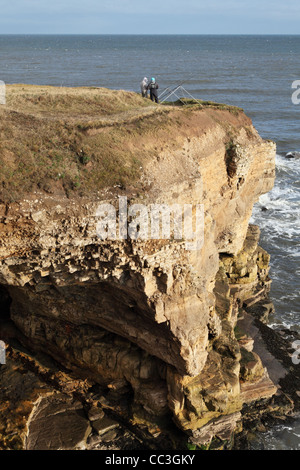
[100,121]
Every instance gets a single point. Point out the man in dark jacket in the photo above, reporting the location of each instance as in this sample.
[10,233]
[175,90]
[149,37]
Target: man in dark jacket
[153,87]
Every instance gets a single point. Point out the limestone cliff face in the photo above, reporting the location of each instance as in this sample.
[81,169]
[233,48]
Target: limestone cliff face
[150,316]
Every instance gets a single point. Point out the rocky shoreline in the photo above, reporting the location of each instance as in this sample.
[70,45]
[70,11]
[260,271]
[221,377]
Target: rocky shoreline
[284,406]
[101,423]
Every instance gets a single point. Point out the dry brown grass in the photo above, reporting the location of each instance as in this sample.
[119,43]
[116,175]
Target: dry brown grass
[63,102]
[45,143]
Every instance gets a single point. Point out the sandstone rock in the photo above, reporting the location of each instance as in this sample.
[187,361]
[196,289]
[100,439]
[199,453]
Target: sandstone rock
[147,319]
[56,423]
[247,343]
[251,366]
[20,390]
[257,390]
[222,428]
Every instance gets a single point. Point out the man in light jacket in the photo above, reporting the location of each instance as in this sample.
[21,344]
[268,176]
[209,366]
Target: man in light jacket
[144,87]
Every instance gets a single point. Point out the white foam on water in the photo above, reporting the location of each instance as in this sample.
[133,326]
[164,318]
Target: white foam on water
[277,213]
[280,438]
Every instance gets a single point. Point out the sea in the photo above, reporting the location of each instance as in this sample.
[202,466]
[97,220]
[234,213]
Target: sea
[256,73]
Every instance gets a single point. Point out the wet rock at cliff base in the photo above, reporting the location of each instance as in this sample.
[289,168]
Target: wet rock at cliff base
[104,425]
[57,423]
[222,428]
[292,155]
[261,310]
[95,413]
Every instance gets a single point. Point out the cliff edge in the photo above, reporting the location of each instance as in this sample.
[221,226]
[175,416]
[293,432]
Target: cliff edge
[150,322]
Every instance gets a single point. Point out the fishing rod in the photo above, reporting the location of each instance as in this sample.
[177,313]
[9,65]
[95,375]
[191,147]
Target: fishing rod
[173,91]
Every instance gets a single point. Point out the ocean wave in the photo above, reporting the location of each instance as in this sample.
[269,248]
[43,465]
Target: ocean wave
[282,437]
[277,213]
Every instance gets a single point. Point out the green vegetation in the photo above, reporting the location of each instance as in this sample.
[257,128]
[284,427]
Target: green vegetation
[238,333]
[195,447]
[215,444]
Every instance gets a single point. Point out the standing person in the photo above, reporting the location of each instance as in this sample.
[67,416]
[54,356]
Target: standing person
[144,87]
[153,87]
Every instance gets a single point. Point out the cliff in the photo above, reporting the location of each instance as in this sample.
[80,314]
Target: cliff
[151,323]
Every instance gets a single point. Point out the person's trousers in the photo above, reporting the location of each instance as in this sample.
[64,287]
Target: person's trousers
[153,97]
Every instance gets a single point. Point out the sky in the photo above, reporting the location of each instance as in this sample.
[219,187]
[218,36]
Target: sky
[149,17]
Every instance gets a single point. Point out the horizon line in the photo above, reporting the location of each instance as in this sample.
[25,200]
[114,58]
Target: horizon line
[150,34]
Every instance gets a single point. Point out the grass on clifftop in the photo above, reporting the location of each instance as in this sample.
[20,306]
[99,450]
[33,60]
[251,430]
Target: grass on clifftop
[204,104]
[63,102]
[47,143]
[79,140]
